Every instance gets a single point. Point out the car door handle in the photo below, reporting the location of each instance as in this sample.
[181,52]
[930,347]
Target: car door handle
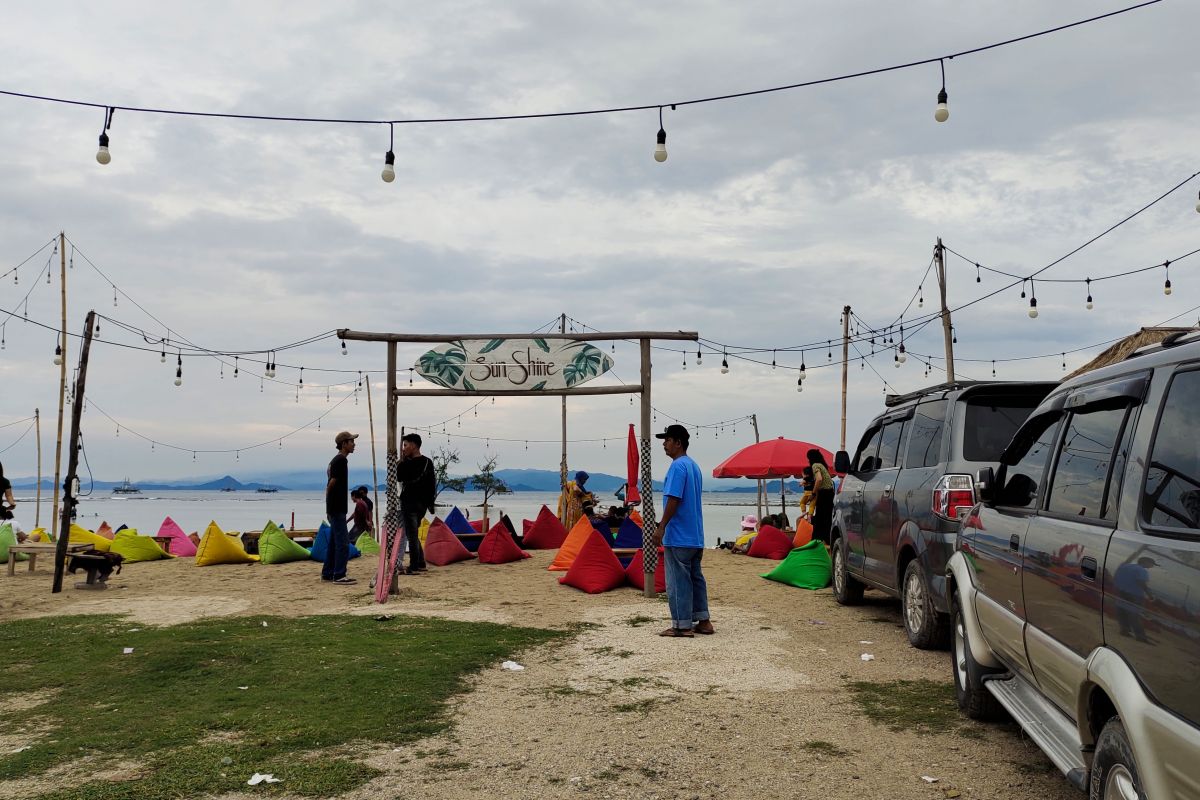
[1014,543]
[887,489]
[1088,567]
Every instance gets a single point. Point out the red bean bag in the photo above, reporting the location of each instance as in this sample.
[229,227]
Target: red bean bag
[526,524]
[476,525]
[498,547]
[442,547]
[636,572]
[596,568]
[770,543]
[546,532]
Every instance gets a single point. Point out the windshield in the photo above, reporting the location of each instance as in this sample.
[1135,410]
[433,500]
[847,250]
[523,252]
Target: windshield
[990,424]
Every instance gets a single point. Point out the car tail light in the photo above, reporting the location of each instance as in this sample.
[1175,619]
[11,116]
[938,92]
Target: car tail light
[953,496]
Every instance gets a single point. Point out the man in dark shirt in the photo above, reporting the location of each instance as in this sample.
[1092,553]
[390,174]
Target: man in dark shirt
[336,490]
[418,482]
[360,518]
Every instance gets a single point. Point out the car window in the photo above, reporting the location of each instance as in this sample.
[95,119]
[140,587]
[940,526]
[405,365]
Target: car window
[925,441]
[1117,473]
[1023,478]
[889,444]
[864,459]
[1082,467]
[1171,498]
[990,424]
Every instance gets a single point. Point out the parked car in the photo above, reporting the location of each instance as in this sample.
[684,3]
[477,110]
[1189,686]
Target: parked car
[1076,580]
[897,510]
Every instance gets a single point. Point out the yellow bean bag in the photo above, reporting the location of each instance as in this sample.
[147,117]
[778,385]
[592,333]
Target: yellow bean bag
[40,535]
[137,548]
[422,532]
[218,547]
[80,535]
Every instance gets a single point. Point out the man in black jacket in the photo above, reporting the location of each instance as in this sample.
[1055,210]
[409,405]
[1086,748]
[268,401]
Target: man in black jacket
[418,482]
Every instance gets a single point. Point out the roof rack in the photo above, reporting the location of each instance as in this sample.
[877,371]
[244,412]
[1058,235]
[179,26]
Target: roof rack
[899,399]
[1173,339]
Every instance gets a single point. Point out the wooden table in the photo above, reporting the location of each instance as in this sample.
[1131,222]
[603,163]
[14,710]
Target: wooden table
[164,542]
[33,549]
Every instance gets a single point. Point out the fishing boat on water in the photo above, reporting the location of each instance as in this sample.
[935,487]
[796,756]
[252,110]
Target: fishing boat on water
[126,488]
[266,490]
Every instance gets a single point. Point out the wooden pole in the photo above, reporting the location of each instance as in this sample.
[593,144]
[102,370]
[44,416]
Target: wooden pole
[649,526]
[392,517]
[37,510]
[845,368]
[374,463]
[947,328]
[762,492]
[69,501]
[62,370]
[562,465]
[442,338]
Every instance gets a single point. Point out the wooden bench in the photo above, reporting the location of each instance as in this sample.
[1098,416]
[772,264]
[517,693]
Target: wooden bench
[33,549]
[298,533]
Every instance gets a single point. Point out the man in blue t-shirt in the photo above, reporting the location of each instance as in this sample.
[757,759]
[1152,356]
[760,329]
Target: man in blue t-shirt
[681,533]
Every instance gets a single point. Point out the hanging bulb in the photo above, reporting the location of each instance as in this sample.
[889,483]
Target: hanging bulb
[389,167]
[660,149]
[980,280]
[235,366]
[1089,294]
[724,366]
[772,359]
[699,356]
[896,361]
[953,335]
[57,355]
[685,362]
[179,376]
[162,356]
[799,384]
[1167,285]
[1022,290]
[1198,204]
[920,297]
[902,356]
[344,347]
[942,112]
[102,155]
[1033,312]
[301,385]
[114,291]
[803,368]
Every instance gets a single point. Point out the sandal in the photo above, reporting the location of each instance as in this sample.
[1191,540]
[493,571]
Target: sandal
[704,627]
[678,633]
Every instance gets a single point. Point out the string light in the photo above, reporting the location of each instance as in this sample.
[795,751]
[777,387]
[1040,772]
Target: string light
[699,356]
[235,366]
[389,158]
[920,300]
[942,112]
[1167,284]
[102,155]
[1089,299]
[724,364]
[58,355]
[660,149]
[799,384]
[1033,312]
[685,362]
[977,278]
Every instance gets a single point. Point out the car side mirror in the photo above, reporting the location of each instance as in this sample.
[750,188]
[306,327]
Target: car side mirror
[985,485]
[841,462]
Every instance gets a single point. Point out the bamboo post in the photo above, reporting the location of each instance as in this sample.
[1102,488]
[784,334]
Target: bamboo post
[947,328]
[64,530]
[845,367]
[649,526]
[62,370]
[762,492]
[374,463]
[37,509]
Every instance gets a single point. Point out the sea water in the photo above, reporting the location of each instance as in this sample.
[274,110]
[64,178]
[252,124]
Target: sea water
[247,510]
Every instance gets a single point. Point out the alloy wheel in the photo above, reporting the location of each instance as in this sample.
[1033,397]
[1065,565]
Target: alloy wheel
[1119,784]
[914,602]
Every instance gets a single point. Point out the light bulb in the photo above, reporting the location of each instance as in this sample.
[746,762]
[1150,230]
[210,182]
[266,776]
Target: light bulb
[799,386]
[1198,205]
[942,112]
[162,357]
[179,381]
[902,357]
[1167,287]
[389,168]
[102,154]
[1089,303]
[57,355]
[179,376]
[660,150]
[1033,312]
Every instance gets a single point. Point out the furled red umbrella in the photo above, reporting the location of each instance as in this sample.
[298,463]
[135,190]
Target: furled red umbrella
[774,458]
[632,495]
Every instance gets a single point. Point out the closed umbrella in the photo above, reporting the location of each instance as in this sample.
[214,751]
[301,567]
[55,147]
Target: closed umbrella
[632,495]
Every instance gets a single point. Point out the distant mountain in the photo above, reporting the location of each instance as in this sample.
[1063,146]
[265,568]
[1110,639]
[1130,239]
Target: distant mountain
[772,488]
[226,482]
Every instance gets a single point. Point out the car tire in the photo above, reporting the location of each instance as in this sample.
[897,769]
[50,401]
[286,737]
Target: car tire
[927,629]
[1114,770]
[846,590]
[973,698]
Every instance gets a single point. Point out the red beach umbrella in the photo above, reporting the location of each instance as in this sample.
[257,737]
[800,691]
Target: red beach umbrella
[774,458]
[632,495]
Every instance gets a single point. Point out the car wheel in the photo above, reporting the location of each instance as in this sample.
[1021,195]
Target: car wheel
[846,590]
[926,628]
[1114,772]
[973,699]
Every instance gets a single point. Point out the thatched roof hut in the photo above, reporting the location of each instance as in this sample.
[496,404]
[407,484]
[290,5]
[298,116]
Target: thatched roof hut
[1121,350]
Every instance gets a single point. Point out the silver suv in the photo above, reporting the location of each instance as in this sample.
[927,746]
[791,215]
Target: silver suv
[1076,580]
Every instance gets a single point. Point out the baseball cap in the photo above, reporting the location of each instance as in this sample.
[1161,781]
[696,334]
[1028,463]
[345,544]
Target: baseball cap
[344,436]
[677,432]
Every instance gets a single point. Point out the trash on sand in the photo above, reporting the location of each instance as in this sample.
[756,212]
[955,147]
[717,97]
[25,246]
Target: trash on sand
[261,778]
[264,623]
[127,651]
[950,793]
[816,622]
[226,761]
[511,665]
[22,749]
[243,688]
[928,779]
[383,617]
[864,641]
[867,657]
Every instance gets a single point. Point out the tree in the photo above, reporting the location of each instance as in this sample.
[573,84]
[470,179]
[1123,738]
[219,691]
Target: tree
[486,481]
[443,460]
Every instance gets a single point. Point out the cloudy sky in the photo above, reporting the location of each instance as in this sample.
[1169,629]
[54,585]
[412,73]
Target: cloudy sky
[771,213]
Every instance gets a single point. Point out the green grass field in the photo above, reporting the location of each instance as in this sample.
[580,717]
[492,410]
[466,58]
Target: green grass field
[317,687]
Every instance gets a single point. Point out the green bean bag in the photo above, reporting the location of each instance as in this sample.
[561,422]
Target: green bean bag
[137,548]
[807,567]
[276,547]
[366,544]
[9,539]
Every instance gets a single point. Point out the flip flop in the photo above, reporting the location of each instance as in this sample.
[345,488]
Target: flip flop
[678,633]
[704,628]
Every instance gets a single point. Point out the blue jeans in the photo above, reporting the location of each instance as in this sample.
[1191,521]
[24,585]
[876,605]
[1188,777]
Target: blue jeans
[687,592]
[339,549]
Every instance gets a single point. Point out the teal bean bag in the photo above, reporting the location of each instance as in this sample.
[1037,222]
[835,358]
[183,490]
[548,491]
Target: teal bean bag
[807,567]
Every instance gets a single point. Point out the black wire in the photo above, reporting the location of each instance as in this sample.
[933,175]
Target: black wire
[588,112]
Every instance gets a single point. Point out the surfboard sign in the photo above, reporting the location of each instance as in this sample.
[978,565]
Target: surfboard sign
[533,365]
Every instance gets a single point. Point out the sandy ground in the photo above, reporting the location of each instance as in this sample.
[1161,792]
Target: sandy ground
[618,712]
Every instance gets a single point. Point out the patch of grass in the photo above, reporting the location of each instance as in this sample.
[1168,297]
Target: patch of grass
[606,775]
[825,748]
[450,766]
[637,706]
[638,621]
[316,683]
[632,681]
[651,773]
[600,651]
[918,706]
